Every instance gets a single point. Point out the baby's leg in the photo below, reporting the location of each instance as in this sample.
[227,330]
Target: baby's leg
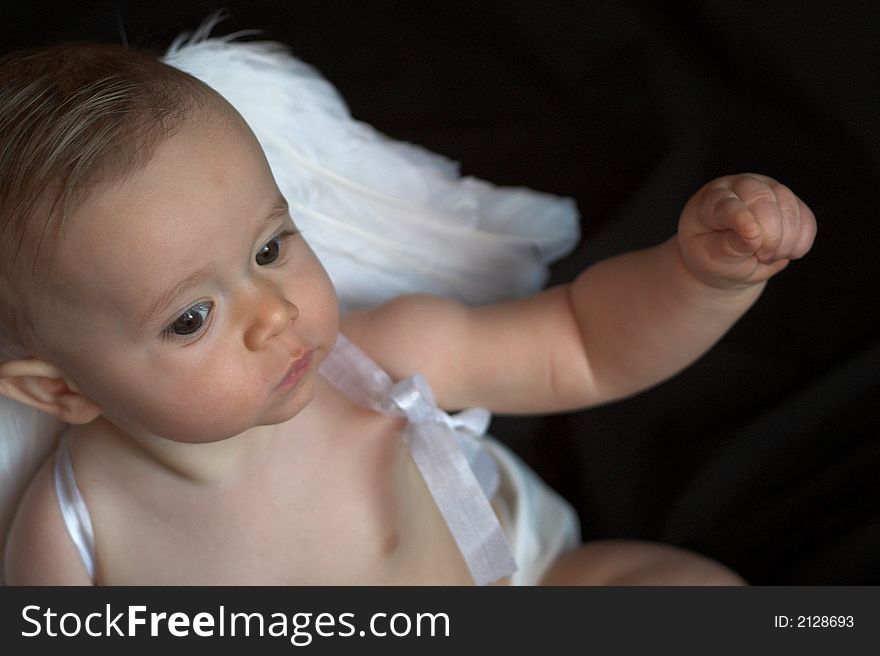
[631,562]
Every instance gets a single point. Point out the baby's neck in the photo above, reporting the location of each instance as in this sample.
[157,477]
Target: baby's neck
[210,462]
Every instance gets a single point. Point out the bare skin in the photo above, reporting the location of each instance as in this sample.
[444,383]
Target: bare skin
[199,465]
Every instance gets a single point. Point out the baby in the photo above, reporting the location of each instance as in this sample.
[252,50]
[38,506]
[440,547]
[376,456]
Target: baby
[228,426]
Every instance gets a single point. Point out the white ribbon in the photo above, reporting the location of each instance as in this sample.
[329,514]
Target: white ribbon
[73,507]
[460,474]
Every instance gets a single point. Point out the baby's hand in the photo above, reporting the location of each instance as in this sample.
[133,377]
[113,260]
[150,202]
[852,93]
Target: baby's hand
[740,230]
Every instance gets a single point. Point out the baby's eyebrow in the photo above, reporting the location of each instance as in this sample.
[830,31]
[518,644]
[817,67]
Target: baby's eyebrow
[279,208]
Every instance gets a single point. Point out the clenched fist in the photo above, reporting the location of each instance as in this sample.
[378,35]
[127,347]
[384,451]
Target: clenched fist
[740,230]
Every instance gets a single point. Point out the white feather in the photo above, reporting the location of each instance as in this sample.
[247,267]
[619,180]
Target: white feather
[385,217]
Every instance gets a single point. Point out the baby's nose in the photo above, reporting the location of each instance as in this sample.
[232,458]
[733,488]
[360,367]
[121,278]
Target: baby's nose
[272,315]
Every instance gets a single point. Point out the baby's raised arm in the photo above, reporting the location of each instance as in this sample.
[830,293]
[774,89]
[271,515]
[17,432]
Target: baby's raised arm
[646,315]
[625,324]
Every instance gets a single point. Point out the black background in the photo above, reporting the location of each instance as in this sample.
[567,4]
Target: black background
[765,453]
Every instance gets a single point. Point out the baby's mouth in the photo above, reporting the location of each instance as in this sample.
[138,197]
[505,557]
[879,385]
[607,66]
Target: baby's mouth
[297,371]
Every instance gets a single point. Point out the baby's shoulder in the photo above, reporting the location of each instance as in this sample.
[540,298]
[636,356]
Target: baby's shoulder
[39,550]
[416,333]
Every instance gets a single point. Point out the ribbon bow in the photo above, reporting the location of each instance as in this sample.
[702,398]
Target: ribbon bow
[459,473]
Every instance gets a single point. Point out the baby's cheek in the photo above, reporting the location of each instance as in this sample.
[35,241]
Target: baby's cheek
[217,406]
[175,399]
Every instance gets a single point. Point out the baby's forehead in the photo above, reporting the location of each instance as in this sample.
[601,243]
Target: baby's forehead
[110,278]
[193,202]
[93,273]
[128,255]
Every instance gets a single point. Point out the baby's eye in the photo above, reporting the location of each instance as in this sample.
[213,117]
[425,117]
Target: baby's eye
[190,321]
[269,252]
[272,248]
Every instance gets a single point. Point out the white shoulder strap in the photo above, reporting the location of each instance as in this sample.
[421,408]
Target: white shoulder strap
[73,507]
[460,474]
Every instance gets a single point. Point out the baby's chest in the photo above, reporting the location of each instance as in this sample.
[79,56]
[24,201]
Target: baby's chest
[351,509]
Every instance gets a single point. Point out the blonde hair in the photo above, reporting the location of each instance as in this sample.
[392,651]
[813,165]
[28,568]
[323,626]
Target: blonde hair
[72,116]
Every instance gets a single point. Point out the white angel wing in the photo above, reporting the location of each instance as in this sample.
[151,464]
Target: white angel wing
[385,217]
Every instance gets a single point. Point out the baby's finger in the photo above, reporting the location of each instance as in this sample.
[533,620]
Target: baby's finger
[789,208]
[741,229]
[713,209]
[735,234]
[761,200]
[807,235]
[774,267]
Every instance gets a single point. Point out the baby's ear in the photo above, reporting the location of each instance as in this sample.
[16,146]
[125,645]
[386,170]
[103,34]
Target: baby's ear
[43,386]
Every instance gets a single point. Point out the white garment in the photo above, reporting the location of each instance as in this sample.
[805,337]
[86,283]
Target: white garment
[540,524]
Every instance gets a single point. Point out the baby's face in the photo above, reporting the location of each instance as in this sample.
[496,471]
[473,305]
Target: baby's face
[186,295]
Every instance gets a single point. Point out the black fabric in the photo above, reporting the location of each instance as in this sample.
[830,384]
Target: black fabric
[764,454]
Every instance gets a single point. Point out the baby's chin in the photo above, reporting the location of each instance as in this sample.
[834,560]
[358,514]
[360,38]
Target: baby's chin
[267,419]
[189,432]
